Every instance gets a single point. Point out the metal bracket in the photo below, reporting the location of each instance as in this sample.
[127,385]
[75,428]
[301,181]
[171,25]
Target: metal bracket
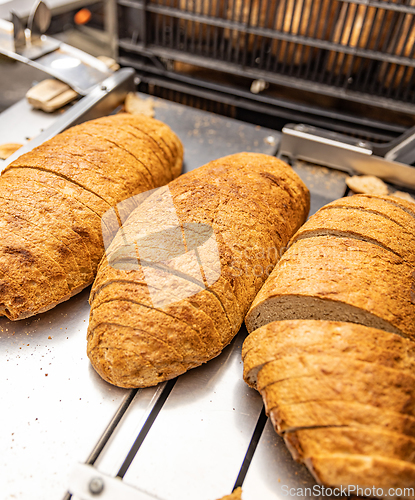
[87,483]
[341,152]
[102,100]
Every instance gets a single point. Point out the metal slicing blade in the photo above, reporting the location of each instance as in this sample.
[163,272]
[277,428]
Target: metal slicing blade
[39,20]
[18,32]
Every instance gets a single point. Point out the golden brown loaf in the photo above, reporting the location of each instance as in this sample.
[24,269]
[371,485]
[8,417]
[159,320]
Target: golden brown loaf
[339,393]
[178,278]
[346,271]
[53,198]
[332,348]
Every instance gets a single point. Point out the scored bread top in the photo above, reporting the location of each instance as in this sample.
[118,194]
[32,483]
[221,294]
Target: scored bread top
[342,279]
[349,340]
[54,198]
[235,215]
[325,413]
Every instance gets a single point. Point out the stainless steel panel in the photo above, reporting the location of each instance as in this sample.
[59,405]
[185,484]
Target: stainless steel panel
[101,101]
[197,444]
[21,123]
[337,151]
[117,448]
[325,184]
[207,136]
[272,471]
[54,407]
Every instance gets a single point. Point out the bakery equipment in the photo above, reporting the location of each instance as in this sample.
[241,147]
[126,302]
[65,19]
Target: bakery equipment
[66,432]
[329,74]
[31,46]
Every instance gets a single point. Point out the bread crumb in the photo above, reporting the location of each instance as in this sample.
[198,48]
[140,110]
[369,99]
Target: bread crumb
[367,184]
[138,106]
[403,196]
[236,495]
[8,149]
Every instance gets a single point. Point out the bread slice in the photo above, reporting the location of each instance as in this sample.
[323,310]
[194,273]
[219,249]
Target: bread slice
[53,249]
[128,357]
[339,279]
[138,138]
[314,378]
[107,158]
[161,134]
[60,184]
[397,210]
[375,475]
[169,288]
[154,237]
[140,150]
[134,143]
[363,225]
[280,339]
[52,215]
[80,173]
[26,268]
[172,331]
[307,443]
[181,310]
[327,413]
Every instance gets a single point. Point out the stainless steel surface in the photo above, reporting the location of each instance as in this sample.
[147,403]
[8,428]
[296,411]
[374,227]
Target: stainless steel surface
[325,184]
[207,136]
[198,442]
[54,406]
[78,69]
[102,100]
[19,37]
[334,150]
[113,456]
[20,123]
[273,472]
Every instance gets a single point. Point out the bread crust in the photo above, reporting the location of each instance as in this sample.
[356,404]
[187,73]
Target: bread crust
[306,443]
[257,193]
[324,378]
[381,472]
[174,287]
[181,310]
[361,224]
[174,332]
[327,413]
[345,271]
[54,198]
[347,340]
